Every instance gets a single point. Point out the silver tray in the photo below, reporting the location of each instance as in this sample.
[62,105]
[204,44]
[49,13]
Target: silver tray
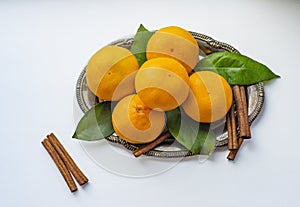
[255,95]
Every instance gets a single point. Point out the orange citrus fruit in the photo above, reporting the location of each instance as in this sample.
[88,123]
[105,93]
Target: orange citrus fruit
[135,122]
[162,83]
[176,43]
[210,97]
[110,73]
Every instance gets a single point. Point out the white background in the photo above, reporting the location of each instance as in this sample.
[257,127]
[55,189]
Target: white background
[43,48]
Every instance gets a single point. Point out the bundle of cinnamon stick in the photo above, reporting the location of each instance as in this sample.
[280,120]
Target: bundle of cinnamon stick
[236,139]
[64,162]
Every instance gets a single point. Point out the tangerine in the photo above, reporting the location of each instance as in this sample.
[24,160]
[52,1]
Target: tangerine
[135,122]
[210,97]
[162,83]
[110,73]
[174,42]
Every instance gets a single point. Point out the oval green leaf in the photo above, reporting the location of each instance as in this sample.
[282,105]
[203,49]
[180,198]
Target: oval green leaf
[139,45]
[96,124]
[237,69]
[196,137]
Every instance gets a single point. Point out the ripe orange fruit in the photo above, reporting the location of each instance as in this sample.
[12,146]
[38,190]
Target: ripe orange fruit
[162,83]
[110,73]
[135,122]
[210,97]
[176,43]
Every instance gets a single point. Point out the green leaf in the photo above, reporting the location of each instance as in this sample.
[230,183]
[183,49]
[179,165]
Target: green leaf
[96,124]
[193,135]
[235,68]
[139,45]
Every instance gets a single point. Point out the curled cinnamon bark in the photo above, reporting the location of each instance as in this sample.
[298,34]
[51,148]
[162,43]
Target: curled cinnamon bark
[71,165]
[231,130]
[64,162]
[239,109]
[60,165]
[233,153]
[245,117]
[145,148]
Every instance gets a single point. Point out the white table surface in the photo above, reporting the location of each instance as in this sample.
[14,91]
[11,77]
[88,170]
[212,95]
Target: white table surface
[45,45]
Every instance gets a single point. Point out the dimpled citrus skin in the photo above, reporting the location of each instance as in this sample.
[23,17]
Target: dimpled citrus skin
[210,97]
[136,123]
[110,73]
[162,83]
[174,42]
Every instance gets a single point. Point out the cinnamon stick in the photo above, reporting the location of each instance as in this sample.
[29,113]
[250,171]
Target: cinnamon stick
[234,133]
[231,130]
[138,152]
[241,108]
[245,107]
[232,154]
[60,165]
[67,159]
